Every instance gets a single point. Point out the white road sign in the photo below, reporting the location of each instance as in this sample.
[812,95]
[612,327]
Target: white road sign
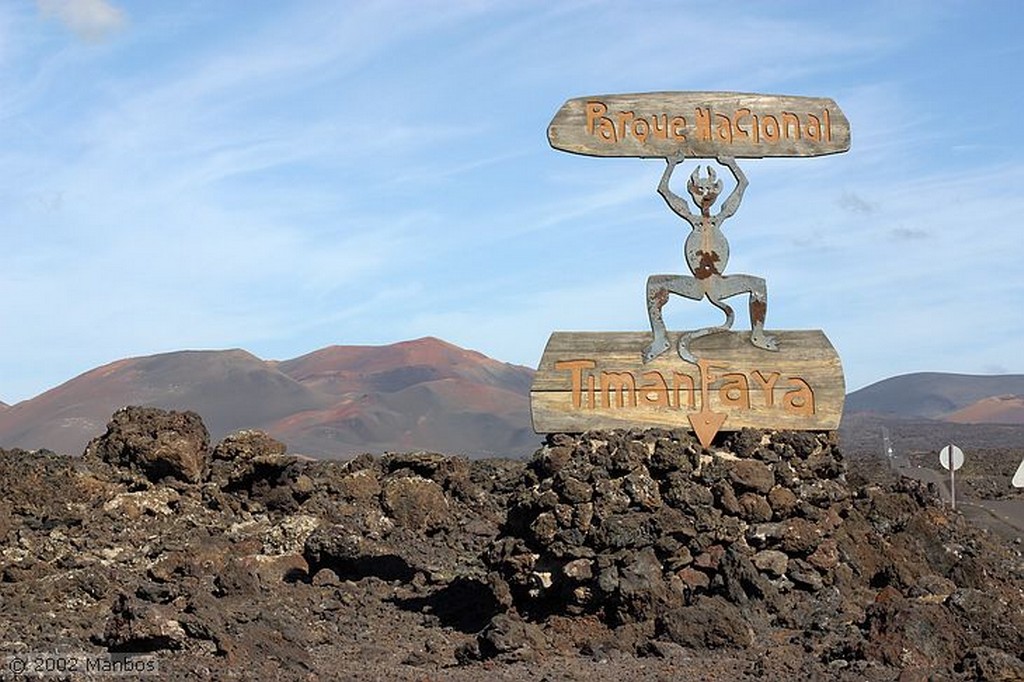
[957,455]
[1018,478]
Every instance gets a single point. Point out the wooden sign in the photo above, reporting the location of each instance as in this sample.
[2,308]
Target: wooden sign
[598,380]
[700,124]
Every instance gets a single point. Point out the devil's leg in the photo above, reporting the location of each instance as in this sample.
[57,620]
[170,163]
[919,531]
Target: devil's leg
[758,290]
[758,311]
[658,289]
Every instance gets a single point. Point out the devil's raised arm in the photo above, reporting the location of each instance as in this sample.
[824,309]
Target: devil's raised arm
[674,201]
[733,202]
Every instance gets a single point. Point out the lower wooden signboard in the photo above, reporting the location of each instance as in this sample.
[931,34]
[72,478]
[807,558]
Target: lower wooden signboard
[598,380]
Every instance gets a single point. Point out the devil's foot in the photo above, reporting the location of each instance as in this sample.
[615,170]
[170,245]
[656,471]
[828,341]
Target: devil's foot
[657,347]
[762,340]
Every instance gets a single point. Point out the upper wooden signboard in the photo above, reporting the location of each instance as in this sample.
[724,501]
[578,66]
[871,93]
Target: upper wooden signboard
[700,124]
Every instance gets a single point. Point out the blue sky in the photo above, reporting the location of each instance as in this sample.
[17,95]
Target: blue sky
[281,176]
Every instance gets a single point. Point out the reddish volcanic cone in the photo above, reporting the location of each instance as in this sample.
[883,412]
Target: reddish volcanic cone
[1002,409]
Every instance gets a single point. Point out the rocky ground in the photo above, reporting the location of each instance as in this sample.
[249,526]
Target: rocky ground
[607,556]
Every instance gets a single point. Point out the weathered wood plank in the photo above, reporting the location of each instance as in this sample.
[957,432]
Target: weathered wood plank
[700,124]
[597,380]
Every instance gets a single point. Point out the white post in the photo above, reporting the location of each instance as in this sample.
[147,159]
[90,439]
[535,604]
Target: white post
[952,478]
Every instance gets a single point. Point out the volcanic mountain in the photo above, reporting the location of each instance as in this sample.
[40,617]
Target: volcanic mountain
[335,402]
[941,396]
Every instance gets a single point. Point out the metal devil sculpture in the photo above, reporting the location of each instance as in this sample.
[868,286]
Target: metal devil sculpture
[707,253]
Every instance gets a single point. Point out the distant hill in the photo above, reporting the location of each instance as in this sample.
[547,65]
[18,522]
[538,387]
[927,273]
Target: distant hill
[925,411]
[941,396]
[338,401]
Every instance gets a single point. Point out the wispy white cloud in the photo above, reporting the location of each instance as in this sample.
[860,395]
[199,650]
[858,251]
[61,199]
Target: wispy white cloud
[90,20]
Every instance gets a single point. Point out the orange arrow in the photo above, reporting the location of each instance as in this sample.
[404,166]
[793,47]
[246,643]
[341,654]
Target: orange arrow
[706,423]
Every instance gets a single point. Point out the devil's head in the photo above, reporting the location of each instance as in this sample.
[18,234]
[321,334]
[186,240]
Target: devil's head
[704,190]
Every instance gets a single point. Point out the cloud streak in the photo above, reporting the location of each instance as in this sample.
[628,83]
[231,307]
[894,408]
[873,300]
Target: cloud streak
[91,20]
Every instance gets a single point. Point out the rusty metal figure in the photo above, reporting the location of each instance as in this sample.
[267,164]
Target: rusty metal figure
[707,253]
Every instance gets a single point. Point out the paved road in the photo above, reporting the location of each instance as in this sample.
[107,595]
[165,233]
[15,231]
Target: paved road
[1004,517]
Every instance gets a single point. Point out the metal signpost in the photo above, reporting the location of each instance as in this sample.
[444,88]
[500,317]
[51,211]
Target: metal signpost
[952,458]
[887,450]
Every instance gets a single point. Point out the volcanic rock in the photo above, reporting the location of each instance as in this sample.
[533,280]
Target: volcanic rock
[155,443]
[711,623]
[608,555]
